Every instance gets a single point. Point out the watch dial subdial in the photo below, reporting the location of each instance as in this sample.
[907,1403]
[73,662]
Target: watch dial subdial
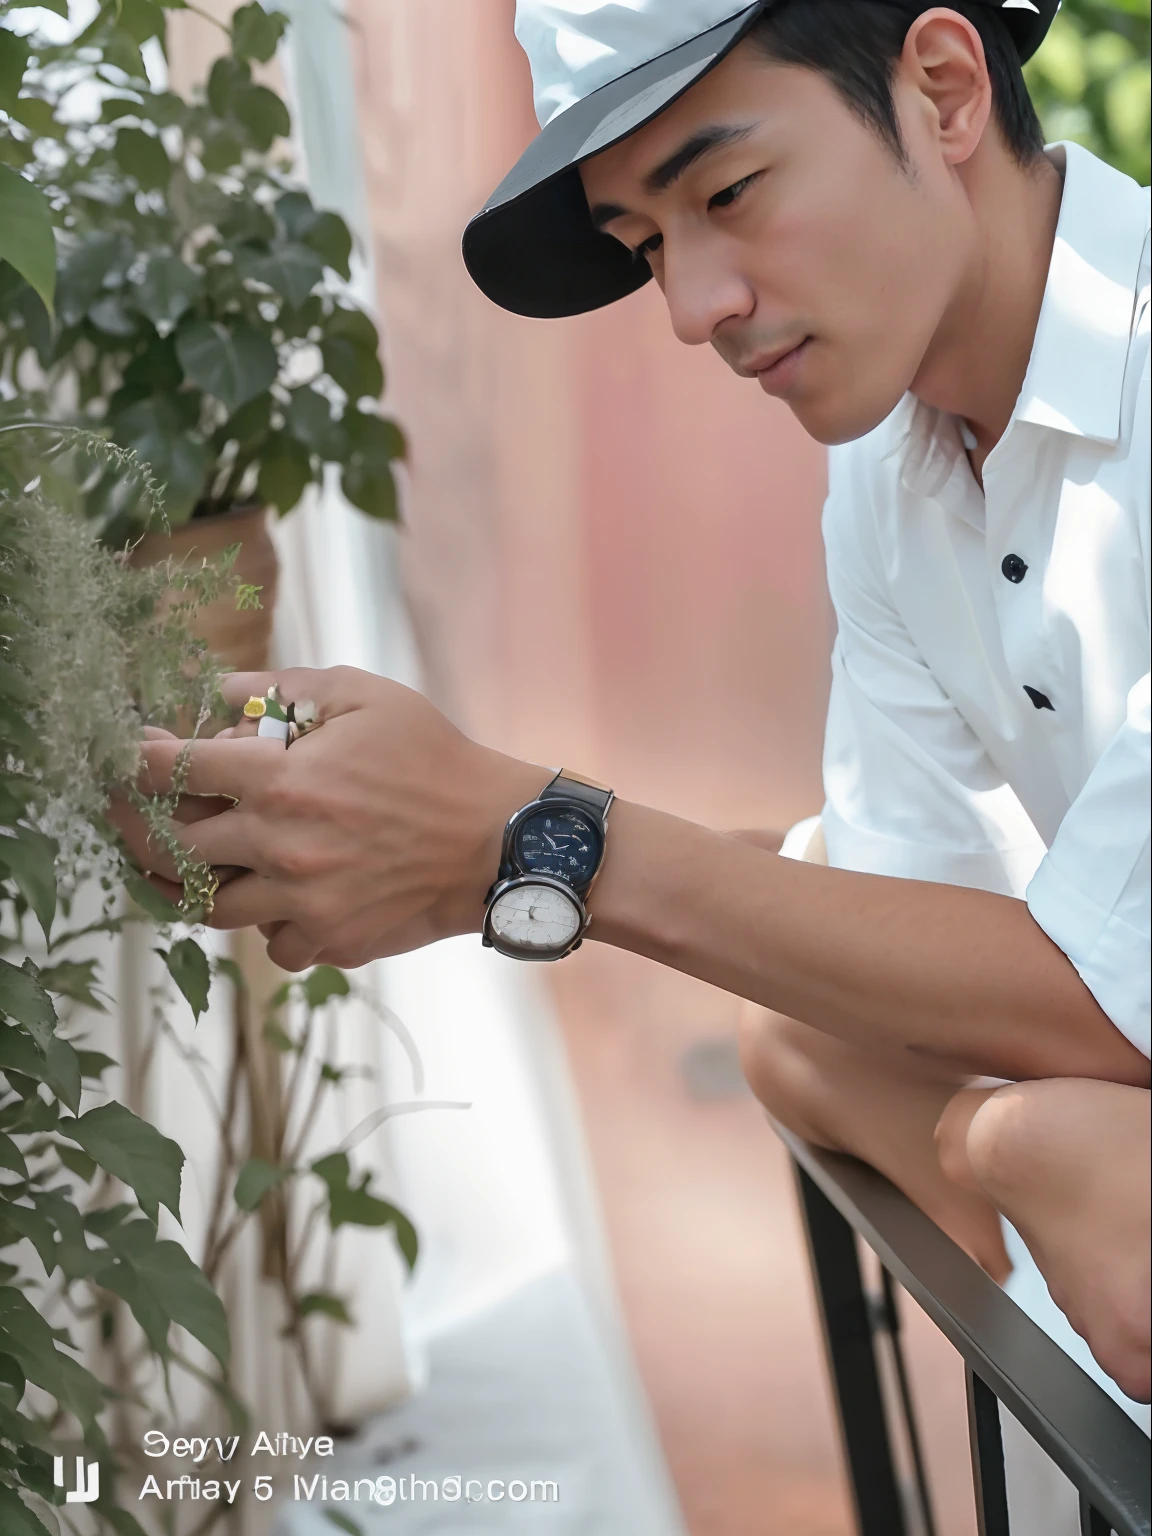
[561,843]
[535,917]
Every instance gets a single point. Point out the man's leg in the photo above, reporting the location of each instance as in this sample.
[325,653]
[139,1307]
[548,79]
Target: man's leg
[1068,1163]
[875,1106]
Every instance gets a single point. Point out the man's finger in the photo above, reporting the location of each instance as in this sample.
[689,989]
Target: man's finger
[333,690]
[291,949]
[214,767]
[249,901]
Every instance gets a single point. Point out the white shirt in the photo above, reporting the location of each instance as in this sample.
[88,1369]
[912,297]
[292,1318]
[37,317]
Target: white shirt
[952,605]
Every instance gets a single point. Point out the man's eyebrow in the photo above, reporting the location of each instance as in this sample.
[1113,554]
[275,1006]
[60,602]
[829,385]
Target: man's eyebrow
[703,142]
[604,213]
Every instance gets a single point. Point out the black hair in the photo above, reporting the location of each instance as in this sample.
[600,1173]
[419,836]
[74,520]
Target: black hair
[855,44]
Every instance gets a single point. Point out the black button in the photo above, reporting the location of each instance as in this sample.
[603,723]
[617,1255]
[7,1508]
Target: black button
[1040,700]
[1013,567]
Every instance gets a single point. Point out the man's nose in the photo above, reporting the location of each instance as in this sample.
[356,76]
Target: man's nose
[701,296]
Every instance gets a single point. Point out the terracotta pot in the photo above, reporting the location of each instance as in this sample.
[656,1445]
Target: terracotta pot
[240,637]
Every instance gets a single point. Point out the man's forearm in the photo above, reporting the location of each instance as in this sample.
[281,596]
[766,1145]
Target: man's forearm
[962,975]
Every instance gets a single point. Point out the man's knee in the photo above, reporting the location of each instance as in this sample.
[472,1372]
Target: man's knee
[781,1062]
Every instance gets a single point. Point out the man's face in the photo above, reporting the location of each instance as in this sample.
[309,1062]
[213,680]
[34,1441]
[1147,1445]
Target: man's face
[783,230]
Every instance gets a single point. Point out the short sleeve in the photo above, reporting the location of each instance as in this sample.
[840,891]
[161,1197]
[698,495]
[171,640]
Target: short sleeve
[1091,893]
[910,789]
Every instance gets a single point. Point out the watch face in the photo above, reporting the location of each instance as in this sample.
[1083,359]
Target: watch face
[562,843]
[535,917]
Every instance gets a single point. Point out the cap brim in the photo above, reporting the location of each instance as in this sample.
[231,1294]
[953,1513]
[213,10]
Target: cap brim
[534,249]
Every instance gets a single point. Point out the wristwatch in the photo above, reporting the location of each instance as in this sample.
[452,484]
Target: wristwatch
[552,851]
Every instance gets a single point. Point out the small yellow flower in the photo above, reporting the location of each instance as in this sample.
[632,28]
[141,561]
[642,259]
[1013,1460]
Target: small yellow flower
[255,707]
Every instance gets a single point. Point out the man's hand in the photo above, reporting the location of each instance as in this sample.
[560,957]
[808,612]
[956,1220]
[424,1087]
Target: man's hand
[376,833]
[1067,1162]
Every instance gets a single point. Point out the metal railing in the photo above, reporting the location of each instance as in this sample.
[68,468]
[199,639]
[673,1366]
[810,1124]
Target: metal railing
[1007,1359]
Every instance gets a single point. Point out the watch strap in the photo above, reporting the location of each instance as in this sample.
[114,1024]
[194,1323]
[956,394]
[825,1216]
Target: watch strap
[573,788]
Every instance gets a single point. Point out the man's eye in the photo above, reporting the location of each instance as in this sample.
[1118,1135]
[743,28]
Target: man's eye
[642,251]
[730,194]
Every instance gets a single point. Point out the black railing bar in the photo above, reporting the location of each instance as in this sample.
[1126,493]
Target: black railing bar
[989,1483]
[1089,1437]
[891,1314]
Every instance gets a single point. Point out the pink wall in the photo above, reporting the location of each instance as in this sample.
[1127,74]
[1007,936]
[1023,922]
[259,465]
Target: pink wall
[613,553]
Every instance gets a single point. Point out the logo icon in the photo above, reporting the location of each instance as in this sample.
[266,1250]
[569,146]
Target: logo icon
[87,1489]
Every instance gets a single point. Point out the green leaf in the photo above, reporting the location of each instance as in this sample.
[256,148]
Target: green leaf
[256,34]
[11,1156]
[13,60]
[291,269]
[161,1284]
[334,1168]
[75,979]
[308,417]
[225,78]
[39,117]
[24,1000]
[142,156]
[12,1378]
[16,1518]
[220,151]
[168,288]
[354,1205]
[285,469]
[141,19]
[278,1037]
[189,969]
[358,371]
[150,901]
[256,1178]
[77,1162]
[154,428]
[29,858]
[249,424]
[56,1065]
[355,326]
[93,1064]
[324,983]
[132,1151]
[233,365]
[26,238]
[123,52]
[262,114]
[109,315]
[331,239]
[324,1303]
[85,271]
[39,1231]
[373,490]
[63,1072]
[29,1340]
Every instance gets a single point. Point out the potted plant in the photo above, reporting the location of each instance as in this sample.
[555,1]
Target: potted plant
[200,314]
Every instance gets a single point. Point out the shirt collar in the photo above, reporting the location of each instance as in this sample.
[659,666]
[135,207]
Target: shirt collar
[1076,373]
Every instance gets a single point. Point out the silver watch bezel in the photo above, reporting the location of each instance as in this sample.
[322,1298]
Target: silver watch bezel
[512,951]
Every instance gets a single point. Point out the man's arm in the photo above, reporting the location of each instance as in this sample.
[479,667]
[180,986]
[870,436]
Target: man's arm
[381,831]
[963,976]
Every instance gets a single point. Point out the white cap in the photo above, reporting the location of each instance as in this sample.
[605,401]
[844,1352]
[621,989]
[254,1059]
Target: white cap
[576,46]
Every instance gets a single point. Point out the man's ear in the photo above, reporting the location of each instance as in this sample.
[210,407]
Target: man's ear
[943,58]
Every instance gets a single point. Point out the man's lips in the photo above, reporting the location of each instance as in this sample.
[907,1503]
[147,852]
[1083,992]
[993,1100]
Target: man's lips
[777,370]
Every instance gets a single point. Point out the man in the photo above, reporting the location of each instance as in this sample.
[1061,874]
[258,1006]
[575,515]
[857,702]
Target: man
[850,201]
